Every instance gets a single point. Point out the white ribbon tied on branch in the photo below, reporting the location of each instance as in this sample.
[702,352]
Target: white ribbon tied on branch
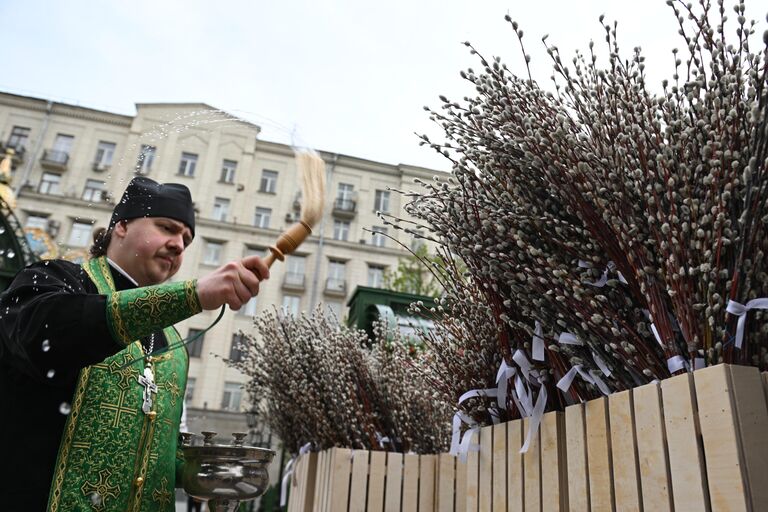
[741,310]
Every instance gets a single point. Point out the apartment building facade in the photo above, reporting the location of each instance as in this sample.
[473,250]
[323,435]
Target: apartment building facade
[72,163]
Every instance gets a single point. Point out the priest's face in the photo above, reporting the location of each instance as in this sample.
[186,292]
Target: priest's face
[149,249]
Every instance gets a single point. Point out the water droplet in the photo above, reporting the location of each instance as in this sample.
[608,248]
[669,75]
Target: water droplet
[50,373]
[65,408]
[11,254]
[96,500]
[46,345]
[2,230]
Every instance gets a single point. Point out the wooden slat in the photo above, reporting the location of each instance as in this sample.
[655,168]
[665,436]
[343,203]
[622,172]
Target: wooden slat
[485,464]
[499,483]
[720,435]
[752,417]
[626,480]
[427,472]
[446,477]
[341,466]
[394,482]
[461,485]
[554,493]
[532,470]
[359,484]
[318,499]
[515,482]
[472,476]
[576,449]
[686,453]
[599,455]
[410,482]
[652,448]
[377,473]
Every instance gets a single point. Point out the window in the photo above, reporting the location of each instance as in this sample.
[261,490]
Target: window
[104,153]
[146,159]
[63,143]
[377,237]
[228,168]
[294,271]
[233,394]
[255,251]
[50,183]
[18,138]
[195,348]
[80,236]
[341,230]
[94,191]
[375,276]
[190,392]
[238,347]
[188,164]
[291,304]
[220,208]
[268,181]
[345,191]
[344,195]
[336,271]
[213,250]
[381,202]
[37,221]
[261,218]
[249,309]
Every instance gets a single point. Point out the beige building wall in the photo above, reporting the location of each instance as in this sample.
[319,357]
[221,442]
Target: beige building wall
[213,137]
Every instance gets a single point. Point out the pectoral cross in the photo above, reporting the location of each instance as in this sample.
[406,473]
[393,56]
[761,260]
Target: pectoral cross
[148,382]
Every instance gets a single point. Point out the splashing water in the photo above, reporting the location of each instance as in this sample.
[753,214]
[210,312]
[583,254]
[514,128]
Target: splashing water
[96,500]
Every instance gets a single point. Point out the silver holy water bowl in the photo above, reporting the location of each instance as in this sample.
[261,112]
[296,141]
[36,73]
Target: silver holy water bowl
[224,475]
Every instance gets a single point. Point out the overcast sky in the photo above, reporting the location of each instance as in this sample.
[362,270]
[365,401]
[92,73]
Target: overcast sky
[349,76]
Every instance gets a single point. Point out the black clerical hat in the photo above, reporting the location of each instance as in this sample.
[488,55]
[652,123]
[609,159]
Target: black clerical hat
[144,197]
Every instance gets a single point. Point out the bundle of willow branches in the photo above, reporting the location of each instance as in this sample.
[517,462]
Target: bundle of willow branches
[316,382]
[612,235]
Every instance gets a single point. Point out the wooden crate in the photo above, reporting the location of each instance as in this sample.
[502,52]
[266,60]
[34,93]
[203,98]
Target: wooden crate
[692,442]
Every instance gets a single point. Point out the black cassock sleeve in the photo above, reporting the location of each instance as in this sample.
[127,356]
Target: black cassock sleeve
[53,323]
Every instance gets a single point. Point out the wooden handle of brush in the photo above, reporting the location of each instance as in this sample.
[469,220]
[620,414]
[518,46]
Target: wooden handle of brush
[288,242]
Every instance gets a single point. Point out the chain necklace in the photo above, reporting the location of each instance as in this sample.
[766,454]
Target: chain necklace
[148,351]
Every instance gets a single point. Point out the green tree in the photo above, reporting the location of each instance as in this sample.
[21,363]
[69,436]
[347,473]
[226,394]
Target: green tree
[413,274]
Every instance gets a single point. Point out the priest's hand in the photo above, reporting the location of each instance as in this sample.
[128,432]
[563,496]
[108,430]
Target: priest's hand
[233,283]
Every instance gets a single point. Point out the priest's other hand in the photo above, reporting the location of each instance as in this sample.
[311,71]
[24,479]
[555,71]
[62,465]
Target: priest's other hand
[233,283]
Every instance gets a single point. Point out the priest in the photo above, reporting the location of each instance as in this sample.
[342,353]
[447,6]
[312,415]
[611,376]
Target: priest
[79,428]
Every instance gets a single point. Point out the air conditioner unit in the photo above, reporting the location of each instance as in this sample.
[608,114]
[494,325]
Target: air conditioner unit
[240,187]
[100,167]
[289,217]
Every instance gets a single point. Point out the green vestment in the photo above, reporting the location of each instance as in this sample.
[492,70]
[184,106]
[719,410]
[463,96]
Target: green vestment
[112,456]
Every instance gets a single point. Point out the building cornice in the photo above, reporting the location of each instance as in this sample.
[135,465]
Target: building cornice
[65,110]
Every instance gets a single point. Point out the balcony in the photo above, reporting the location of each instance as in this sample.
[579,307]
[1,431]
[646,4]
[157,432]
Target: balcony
[55,159]
[334,286]
[344,208]
[293,281]
[17,157]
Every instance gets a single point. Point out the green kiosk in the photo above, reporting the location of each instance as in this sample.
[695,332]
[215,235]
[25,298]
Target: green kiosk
[369,305]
